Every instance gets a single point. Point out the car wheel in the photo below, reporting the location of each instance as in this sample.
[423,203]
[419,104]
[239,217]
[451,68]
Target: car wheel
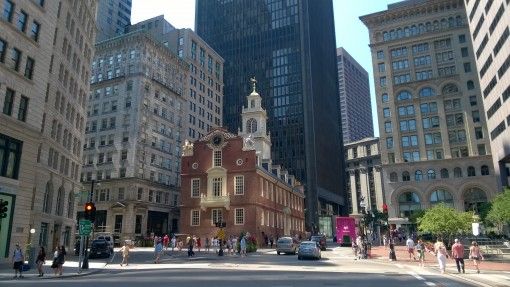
[278,252]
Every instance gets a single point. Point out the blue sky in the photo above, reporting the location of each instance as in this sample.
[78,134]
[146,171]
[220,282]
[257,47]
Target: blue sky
[350,32]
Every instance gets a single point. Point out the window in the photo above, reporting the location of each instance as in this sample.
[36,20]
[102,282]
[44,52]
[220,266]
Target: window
[16,59]
[441,196]
[467,67]
[10,154]
[3,50]
[217,158]
[382,81]
[60,202]
[418,175]
[386,112]
[8,102]
[406,176]
[29,68]
[22,21]
[388,127]
[389,142]
[462,38]
[385,98]
[431,174]
[217,186]
[427,92]
[381,67]
[138,224]
[239,185]
[408,202]
[404,95]
[484,170]
[464,52]
[380,55]
[471,171]
[48,198]
[195,217]
[8,10]
[393,177]
[457,172]
[195,187]
[481,149]
[444,173]
[239,216]
[23,109]
[34,32]
[470,85]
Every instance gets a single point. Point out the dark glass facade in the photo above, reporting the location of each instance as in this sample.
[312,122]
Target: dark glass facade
[289,46]
[113,16]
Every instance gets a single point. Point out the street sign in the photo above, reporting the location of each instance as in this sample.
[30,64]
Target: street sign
[85,227]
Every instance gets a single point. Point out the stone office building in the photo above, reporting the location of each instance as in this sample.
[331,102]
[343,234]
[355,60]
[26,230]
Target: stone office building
[434,141]
[230,178]
[133,135]
[46,48]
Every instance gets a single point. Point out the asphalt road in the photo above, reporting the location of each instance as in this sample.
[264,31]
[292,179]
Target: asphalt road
[261,270]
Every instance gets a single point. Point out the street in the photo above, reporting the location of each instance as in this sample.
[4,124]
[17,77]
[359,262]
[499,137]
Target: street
[336,268]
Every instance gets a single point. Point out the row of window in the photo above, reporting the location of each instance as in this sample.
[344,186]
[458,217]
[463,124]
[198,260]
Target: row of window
[422,28]
[444,173]
[66,167]
[14,62]
[217,187]
[59,203]
[22,21]
[238,217]
[8,108]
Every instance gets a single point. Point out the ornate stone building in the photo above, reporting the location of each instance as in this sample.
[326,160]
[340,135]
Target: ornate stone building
[230,178]
[134,135]
[45,52]
[434,141]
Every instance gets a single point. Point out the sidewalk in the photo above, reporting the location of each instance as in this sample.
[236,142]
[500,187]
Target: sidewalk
[70,270]
[379,252]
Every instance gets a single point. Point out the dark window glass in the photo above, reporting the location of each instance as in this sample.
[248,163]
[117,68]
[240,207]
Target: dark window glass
[29,68]
[16,59]
[10,154]
[22,21]
[23,108]
[8,10]
[3,50]
[8,102]
[34,33]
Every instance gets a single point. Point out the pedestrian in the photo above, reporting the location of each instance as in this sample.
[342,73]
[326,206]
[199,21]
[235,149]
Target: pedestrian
[420,248]
[158,249]
[476,255]
[199,244]
[392,254]
[266,240]
[166,240]
[359,246]
[385,241]
[441,254]
[41,259]
[173,242]
[17,261]
[458,255]
[242,244]
[54,264]
[215,244]
[410,247]
[271,241]
[125,254]
[191,243]
[230,245]
[207,244]
[354,249]
[61,259]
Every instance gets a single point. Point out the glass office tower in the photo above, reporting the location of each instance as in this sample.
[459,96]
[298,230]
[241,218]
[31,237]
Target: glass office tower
[289,46]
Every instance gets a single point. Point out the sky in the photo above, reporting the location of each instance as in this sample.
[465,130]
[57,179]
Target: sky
[351,33]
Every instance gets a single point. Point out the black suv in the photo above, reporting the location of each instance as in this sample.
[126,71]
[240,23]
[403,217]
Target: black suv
[321,240]
[99,249]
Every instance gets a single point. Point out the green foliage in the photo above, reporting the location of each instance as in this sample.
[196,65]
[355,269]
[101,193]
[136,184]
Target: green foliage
[416,215]
[499,213]
[444,222]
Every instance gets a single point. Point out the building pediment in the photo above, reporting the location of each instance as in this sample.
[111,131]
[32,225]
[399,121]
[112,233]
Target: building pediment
[217,132]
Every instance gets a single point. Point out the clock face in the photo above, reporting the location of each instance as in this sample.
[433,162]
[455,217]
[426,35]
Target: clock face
[217,140]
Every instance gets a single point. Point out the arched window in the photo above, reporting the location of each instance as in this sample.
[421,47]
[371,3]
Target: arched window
[48,198]
[450,89]
[484,170]
[385,98]
[444,23]
[436,25]
[70,205]
[458,19]
[474,198]
[60,201]
[427,92]
[408,203]
[386,36]
[428,26]
[471,171]
[414,30]
[393,177]
[404,95]
[418,175]
[451,22]
[457,172]
[421,28]
[251,125]
[431,174]
[444,173]
[406,176]
[441,196]
[252,103]
[470,85]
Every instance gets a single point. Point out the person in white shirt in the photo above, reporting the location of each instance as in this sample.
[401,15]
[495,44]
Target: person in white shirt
[410,248]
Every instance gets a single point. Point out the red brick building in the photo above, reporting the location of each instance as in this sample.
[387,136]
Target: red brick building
[230,178]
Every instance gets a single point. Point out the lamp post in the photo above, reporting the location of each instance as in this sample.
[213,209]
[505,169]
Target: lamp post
[30,250]
[90,196]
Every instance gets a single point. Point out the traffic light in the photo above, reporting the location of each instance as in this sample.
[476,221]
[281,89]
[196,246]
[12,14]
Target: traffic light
[385,208]
[90,211]
[3,208]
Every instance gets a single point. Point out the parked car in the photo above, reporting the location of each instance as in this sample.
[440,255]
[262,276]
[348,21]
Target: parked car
[109,240]
[321,239]
[309,249]
[100,249]
[286,245]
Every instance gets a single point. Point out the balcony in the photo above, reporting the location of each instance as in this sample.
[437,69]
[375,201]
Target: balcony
[214,202]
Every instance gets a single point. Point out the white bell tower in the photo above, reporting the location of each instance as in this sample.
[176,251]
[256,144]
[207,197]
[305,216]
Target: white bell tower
[254,121]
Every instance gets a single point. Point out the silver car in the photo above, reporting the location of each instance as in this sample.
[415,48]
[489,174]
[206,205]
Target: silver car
[286,245]
[309,249]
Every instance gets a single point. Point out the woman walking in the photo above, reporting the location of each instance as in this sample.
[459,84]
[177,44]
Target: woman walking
[475,254]
[61,259]
[420,248]
[125,254]
[441,254]
[41,259]
[54,264]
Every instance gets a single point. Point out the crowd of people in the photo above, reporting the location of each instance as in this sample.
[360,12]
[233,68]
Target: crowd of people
[59,257]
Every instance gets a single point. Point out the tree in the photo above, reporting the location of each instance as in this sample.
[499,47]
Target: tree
[499,213]
[444,222]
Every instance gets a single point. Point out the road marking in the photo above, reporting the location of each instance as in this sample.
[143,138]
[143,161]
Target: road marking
[416,276]
[430,283]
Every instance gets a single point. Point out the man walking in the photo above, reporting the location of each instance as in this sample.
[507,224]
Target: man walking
[410,247]
[458,255]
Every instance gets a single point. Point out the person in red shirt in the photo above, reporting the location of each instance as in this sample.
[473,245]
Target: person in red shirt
[166,240]
[458,255]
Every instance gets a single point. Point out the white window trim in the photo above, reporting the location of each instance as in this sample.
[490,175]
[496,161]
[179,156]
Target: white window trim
[220,211]
[191,217]
[191,188]
[235,216]
[235,185]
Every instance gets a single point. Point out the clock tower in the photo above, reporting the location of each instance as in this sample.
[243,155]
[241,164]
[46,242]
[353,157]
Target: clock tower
[254,120]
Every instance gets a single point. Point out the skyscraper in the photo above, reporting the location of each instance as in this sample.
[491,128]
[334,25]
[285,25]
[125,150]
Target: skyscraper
[434,142]
[490,32]
[113,16]
[354,91]
[289,46]
[45,52]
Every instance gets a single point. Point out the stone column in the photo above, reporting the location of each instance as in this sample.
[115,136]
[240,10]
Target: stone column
[363,173]
[378,187]
[354,195]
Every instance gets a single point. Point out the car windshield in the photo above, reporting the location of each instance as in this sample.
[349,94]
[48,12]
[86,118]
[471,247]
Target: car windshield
[285,240]
[308,244]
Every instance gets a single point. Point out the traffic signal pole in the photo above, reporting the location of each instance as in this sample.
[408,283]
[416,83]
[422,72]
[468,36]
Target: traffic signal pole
[85,264]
